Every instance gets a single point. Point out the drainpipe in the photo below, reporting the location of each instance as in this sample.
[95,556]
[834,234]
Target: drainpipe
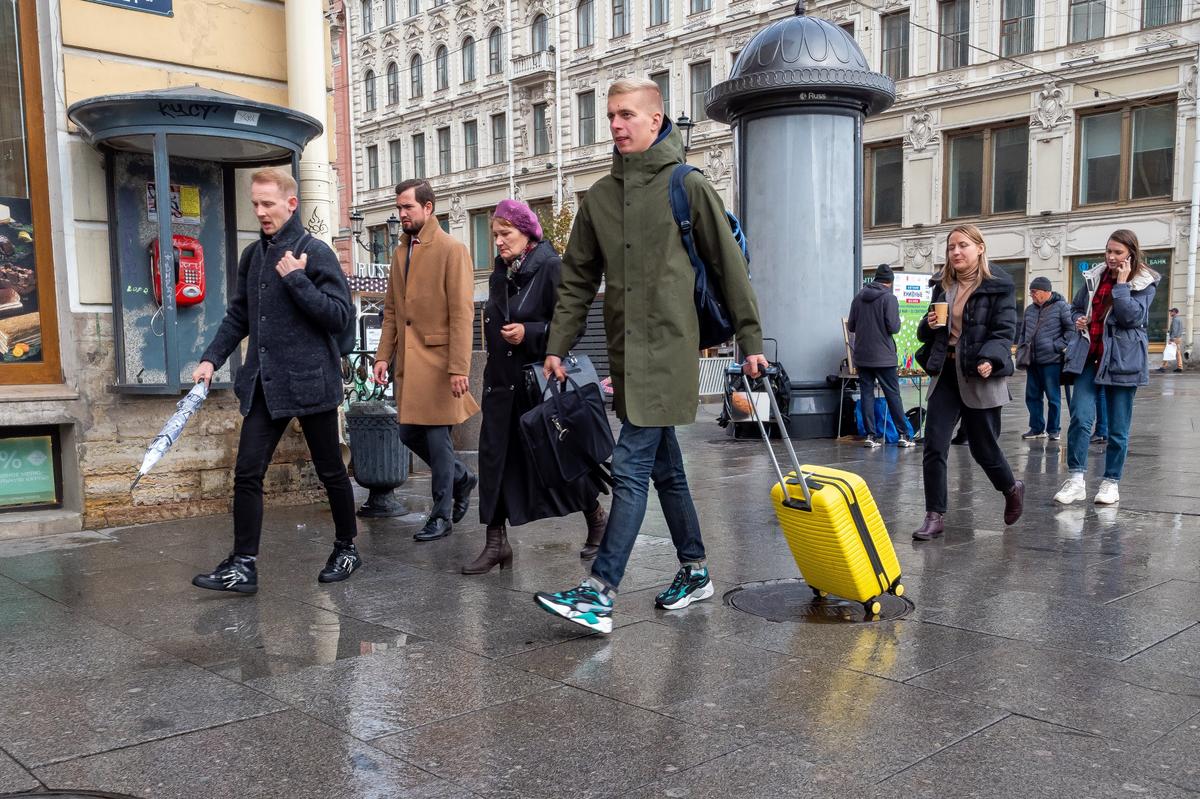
[558,197]
[508,117]
[1194,230]
[306,41]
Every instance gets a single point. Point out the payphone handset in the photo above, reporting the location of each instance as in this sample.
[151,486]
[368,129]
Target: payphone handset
[189,277]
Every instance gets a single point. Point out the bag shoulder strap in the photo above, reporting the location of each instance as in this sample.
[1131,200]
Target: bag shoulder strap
[681,210]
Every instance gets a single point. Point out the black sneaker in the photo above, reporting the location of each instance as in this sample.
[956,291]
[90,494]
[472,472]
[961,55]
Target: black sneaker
[236,573]
[343,561]
[1098,440]
[1178,370]
[1028,434]
[1054,436]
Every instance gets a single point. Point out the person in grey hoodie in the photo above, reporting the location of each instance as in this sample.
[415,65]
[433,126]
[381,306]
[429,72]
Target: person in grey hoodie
[1046,330]
[874,320]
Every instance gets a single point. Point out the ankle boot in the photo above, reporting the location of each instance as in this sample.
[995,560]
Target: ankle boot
[597,521]
[932,528]
[495,550]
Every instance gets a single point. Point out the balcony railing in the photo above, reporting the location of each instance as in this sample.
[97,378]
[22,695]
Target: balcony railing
[533,64]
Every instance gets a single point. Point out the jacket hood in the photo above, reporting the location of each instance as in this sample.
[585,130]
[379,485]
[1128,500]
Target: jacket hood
[1054,297]
[1140,281]
[873,291]
[666,152]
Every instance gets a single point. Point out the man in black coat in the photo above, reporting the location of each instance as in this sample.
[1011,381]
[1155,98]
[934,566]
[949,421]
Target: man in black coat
[874,320]
[292,300]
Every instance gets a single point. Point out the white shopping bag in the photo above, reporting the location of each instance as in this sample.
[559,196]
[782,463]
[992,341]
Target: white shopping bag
[1170,352]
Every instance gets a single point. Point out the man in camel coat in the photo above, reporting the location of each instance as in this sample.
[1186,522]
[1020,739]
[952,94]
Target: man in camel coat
[426,342]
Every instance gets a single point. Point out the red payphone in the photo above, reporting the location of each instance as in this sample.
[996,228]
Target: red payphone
[189,278]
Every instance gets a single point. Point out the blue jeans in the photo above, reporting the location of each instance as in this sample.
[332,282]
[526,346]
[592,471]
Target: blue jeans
[1043,379]
[1118,402]
[644,454]
[1101,413]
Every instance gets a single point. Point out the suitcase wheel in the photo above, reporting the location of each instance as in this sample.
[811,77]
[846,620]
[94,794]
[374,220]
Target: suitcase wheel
[818,593]
[872,607]
[898,590]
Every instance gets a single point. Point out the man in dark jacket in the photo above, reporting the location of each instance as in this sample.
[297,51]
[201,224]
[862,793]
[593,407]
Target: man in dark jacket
[1046,330]
[626,236]
[874,319]
[292,300]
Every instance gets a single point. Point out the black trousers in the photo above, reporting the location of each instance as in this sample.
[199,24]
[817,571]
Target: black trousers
[431,443]
[260,436]
[885,376]
[983,431]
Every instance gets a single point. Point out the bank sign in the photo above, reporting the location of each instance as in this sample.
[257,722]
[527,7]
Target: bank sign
[27,472]
[161,7]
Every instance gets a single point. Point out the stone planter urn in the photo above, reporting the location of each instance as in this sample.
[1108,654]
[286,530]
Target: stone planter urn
[379,460]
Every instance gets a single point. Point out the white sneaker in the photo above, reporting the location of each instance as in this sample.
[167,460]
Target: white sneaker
[1072,491]
[1108,493]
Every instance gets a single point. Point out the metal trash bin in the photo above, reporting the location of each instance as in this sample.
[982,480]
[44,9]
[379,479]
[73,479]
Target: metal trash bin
[378,459]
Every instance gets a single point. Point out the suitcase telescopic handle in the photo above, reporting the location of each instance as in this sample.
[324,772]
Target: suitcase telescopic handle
[800,475]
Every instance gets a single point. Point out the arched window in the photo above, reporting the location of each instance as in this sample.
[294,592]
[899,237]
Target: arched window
[540,33]
[495,66]
[441,67]
[369,91]
[393,83]
[416,87]
[468,59]
[584,25]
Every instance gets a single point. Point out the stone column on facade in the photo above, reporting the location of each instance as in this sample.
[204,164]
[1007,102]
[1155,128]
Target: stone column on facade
[306,47]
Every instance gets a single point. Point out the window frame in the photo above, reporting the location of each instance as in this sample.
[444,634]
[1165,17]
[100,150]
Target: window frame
[587,122]
[471,143]
[366,13]
[393,83]
[369,99]
[660,12]
[699,112]
[495,51]
[869,152]
[1178,8]
[441,68]
[1071,5]
[49,369]
[389,12]
[987,184]
[416,77]
[414,7]
[541,145]
[954,48]
[372,166]
[1125,182]
[905,48]
[539,29]
[1020,24]
[699,6]
[666,94]
[418,148]
[585,23]
[468,59]
[445,150]
[623,29]
[499,137]
[396,160]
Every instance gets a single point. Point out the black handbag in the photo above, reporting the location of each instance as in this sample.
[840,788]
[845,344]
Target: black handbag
[567,435]
[579,368]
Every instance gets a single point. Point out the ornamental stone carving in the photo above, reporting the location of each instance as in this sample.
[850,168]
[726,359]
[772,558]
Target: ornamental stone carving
[1047,244]
[716,167]
[918,255]
[458,212]
[920,132]
[1051,108]
[1188,90]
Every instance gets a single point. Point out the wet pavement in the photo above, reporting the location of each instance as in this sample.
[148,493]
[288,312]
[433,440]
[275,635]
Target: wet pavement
[1059,657]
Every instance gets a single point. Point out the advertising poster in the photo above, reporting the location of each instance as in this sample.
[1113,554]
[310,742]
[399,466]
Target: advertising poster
[27,472]
[185,204]
[20,320]
[914,294]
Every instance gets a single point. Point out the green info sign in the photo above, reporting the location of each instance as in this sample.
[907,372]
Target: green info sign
[27,472]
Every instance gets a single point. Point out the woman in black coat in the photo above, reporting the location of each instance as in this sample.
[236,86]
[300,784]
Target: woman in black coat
[970,359]
[522,291]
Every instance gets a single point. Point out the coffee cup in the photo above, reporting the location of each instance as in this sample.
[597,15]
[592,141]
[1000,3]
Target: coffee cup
[941,313]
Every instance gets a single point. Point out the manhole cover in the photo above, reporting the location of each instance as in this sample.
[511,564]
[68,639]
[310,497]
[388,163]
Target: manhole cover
[793,600]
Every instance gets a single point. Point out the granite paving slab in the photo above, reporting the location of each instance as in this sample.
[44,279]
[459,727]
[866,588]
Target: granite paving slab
[400,688]
[1179,653]
[647,664]
[529,748]
[1173,757]
[1091,694]
[283,754]
[14,778]
[1176,598]
[857,723]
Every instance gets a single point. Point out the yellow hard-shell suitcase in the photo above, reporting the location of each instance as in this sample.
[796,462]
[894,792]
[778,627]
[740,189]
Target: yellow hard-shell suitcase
[833,528]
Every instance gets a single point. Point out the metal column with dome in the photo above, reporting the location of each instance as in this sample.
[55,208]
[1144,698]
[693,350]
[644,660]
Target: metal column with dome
[178,149]
[796,98]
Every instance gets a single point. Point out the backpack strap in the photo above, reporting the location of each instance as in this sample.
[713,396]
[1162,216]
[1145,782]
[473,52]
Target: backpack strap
[681,210]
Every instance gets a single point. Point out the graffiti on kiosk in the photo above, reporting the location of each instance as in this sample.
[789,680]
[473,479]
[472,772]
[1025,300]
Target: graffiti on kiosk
[187,110]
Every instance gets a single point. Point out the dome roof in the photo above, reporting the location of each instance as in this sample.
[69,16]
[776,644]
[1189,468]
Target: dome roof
[801,60]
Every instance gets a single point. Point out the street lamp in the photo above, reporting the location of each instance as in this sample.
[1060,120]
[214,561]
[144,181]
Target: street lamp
[393,226]
[356,227]
[685,126]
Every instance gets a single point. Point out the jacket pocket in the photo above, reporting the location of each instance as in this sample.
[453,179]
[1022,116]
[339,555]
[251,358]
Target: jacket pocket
[437,339]
[1125,357]
[308,386]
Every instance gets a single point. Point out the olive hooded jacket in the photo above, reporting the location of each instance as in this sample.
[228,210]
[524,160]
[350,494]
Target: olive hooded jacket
[624,234]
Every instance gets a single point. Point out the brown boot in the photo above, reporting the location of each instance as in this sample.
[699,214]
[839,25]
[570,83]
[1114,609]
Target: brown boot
[597,520]
[933,527]
[495,550]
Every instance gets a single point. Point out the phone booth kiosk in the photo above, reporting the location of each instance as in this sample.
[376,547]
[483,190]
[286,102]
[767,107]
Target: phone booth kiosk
[171,165]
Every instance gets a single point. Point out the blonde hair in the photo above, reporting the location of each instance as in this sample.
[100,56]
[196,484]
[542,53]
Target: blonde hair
[631,85]
[949,276]
[280,177]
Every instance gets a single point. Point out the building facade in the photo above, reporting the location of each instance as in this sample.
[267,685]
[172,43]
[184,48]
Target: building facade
[1047,122]
[77,406]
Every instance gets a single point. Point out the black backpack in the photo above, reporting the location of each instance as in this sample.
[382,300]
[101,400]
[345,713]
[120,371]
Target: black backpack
[347,339]
[715,325]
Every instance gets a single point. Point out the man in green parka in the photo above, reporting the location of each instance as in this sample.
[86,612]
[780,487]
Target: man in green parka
[625,235]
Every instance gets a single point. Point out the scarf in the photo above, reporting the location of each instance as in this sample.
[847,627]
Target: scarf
[1101,304]
[515,265]
[967,283]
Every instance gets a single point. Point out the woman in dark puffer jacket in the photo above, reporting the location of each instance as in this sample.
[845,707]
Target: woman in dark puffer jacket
[970,358]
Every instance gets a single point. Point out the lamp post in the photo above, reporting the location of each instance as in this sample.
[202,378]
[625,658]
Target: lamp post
[685,126]
[393,227]
[356,228]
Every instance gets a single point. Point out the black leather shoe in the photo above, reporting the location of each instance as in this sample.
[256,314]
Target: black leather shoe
[237,573]
[1014,503]
[435,527]
[343,562]
[462,497]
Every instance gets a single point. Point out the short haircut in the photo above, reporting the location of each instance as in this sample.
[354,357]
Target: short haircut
[1174,310]
[631,85]
[280,177]
[423,192]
